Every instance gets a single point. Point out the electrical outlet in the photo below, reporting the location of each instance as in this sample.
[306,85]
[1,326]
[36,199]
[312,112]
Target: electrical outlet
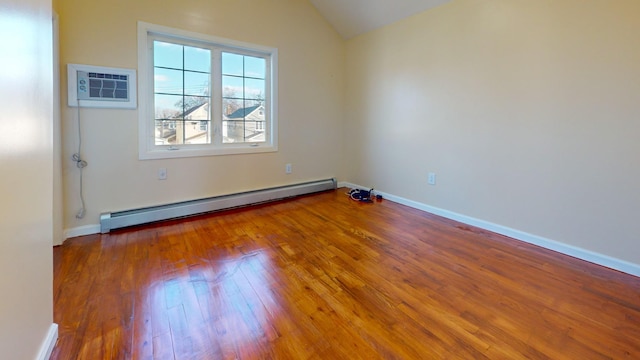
[288,169]
[431,178]
[162,174]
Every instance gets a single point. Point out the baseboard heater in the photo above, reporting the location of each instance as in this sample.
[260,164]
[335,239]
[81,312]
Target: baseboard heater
[120,219]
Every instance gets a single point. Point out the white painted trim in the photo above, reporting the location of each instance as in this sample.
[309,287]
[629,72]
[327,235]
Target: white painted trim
[49,343]
[574,251]
[81,231]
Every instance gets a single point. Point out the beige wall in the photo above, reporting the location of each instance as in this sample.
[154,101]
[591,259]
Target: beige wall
[311,89]
[527,111]
[58,193]
[26,261]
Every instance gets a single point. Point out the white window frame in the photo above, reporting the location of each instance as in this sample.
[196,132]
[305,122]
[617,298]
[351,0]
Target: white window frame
[147,149]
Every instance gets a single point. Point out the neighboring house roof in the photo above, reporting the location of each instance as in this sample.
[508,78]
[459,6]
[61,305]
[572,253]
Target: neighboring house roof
[238,114]
[191,110]
[242,113]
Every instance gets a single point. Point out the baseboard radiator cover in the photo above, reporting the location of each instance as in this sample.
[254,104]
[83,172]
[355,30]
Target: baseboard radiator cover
[116,220]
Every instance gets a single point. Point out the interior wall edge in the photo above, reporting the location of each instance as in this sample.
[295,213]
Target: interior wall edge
[49,343]
[81,231]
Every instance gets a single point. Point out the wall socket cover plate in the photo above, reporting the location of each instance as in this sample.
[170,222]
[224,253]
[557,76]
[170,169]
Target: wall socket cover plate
[431,178]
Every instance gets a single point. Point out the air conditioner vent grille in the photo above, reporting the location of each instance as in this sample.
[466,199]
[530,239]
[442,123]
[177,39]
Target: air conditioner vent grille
[93,86]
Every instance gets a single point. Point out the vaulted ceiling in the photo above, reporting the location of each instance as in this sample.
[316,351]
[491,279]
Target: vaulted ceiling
[354,17]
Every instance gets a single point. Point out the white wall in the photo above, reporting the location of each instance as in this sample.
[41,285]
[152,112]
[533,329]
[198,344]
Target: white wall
[527,111]
[311,90]
[26,261]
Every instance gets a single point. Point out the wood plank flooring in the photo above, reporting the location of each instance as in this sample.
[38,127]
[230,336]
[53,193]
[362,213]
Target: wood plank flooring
[324,277]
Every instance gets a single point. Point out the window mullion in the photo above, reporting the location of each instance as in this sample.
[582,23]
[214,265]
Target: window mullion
[184,102]
[150,105]
[216,96]
[267,99]
[244,101]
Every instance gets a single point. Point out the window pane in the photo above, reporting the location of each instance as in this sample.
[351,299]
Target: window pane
[244,91]
[167,81]
[193,133]
[165,132]
[231,107]
[253,132]
[178,137]
[233,86]
[229,92]
[240,111]
[196,83]
[232,64]
[254,89]
[167,55]
[168,106]
[250,103]
[181,94]
[258,114]
[233,131]
[254,67]
[197,108]
[197,59]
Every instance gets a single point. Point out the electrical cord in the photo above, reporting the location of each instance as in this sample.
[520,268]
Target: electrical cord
[81,164]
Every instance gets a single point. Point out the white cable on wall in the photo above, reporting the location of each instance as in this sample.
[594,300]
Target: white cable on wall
[80,163]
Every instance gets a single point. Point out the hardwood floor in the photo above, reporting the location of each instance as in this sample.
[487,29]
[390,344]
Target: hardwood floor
[324,277]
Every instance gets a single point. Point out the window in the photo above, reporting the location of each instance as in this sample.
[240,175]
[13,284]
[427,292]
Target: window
[201,95]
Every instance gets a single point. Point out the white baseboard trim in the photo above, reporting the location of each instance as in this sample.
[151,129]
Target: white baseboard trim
[81,231]
[574,251]
[49,343]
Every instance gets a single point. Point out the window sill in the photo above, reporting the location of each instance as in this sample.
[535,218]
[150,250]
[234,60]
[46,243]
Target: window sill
[185,152]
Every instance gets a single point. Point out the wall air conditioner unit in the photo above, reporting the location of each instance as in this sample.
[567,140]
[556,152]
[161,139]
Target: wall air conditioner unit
[101,87]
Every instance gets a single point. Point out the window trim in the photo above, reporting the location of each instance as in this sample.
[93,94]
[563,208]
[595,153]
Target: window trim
[146,124]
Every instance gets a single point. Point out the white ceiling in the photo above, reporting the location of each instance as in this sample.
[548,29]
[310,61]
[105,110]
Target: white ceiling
[354,17]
